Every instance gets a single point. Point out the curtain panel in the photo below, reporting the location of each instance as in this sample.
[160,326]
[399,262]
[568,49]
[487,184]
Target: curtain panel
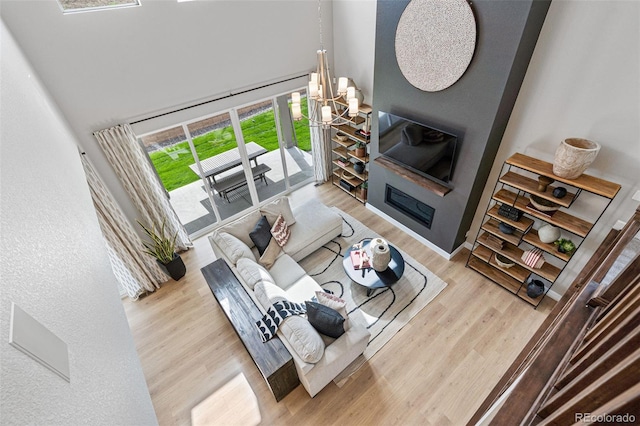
[136,272]
[134,170]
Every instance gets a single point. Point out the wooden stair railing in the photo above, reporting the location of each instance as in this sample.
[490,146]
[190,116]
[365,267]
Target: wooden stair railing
[586,356]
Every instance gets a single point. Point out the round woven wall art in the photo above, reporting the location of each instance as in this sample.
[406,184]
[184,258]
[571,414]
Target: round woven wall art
[435,41]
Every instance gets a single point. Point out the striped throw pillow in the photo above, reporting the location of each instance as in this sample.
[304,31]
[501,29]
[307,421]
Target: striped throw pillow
[280,231]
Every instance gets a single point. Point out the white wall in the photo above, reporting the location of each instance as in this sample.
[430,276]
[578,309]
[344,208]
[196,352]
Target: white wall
[354,36]
[110,67]
[55,267]
[583,81]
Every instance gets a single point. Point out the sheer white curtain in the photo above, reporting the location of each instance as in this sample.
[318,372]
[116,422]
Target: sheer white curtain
[137,272]
[128,159]
[320,149]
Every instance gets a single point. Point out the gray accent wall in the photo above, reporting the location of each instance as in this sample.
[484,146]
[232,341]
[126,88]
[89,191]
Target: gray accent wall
[476,108]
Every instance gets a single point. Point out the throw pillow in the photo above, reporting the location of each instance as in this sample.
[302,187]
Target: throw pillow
[232,247]
[324,319]
[261,234]
[270,254]
[252,273]
[281,231]
[279,207]
[336,303]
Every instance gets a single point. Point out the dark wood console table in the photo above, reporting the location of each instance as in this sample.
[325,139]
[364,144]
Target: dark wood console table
[272,358]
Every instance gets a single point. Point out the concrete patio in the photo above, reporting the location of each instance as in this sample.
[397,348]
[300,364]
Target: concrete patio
[192,204]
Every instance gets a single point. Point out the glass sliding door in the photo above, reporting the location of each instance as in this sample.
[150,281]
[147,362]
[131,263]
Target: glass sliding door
[171,156]
[210,178]
[262,143]
[296,138]
[220,160]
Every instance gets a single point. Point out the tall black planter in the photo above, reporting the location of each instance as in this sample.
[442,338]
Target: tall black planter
[175,269]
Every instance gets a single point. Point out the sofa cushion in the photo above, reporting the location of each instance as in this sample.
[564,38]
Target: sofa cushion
[286,271]
[240,228]
[261,234]
[324,319]
[314,221]
[270,254]
[336,303]
[301,336]
[276,208]
[303,289]
[233,247]
[281,231]
[252,273]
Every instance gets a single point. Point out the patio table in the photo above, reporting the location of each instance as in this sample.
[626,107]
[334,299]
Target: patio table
[227,160]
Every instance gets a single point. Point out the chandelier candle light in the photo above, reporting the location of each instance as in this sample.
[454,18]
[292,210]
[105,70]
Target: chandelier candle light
[321,91]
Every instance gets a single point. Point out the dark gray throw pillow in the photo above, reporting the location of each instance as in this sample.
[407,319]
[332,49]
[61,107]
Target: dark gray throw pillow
[324,319]
[261,234]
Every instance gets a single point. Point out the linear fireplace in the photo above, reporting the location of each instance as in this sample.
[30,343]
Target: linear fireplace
[408,205]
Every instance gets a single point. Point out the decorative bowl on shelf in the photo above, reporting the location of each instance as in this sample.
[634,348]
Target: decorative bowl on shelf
[348,176]
[503,262]
[505,228]
[543,205]
[341,137]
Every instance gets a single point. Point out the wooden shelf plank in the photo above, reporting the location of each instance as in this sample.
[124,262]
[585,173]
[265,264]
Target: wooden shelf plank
[346,144]
[531,186]
[559,218]
[588,183]
[421,181]
[341,151]
[492,226]
[351,132]
[532,238]
[360,176]
[547,271]
[522,294]
[516,271]
[362,108]
[523,224]
[483,253]
[494,275]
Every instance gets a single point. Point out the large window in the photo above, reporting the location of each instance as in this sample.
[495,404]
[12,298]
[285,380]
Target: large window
[215,167]
[86,5]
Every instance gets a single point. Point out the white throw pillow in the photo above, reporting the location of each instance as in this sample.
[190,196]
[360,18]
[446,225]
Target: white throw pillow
[232,247]
[335,303]
[278,207]
[303,338]
[252,273]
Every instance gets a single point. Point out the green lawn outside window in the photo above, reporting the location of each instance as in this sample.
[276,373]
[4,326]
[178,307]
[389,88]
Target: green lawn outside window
[174,170]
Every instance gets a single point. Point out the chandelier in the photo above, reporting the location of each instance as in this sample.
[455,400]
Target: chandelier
[339,107]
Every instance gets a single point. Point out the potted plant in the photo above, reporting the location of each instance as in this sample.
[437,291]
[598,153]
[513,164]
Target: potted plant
[361,149]
[163,248]
[363,190]
[565,246]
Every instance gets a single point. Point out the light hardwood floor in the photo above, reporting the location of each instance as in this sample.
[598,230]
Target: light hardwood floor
[435,371]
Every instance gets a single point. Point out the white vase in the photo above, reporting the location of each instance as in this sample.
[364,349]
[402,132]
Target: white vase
[573,156]
[380,254]
[548,234]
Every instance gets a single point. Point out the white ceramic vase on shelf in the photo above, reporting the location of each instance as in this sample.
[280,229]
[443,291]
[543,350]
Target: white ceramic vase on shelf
[380,254]
[548,234]
[573,156]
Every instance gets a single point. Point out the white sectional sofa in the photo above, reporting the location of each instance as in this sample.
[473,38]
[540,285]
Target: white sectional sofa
[318,358]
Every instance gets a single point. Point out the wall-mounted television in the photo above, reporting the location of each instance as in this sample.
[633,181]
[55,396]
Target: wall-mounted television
[423,149]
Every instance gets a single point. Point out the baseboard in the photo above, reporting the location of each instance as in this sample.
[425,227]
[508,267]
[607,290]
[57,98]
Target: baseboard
[414,234]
